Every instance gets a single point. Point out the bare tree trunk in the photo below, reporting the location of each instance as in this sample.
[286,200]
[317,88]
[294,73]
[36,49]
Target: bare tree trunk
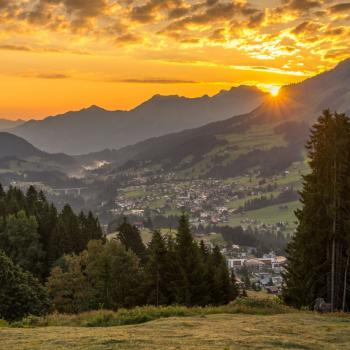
[157,284]
[334,234]
[345,282]
[333,275]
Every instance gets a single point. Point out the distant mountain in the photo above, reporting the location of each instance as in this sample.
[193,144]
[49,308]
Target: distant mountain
[269,138]
[94,129]
[7,124]
[11,145]
[19,156]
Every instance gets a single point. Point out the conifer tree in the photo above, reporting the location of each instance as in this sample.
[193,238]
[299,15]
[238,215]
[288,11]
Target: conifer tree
[159,272]
[319,251]
[69,238]
[130,237]
[191,283]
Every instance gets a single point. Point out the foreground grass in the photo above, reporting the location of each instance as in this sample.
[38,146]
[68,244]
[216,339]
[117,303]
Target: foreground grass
[257,322]
[221,331]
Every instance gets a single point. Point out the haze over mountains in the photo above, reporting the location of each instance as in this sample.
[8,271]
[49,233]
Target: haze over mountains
[21,161]
[94,129]
[7,124]
[273,135]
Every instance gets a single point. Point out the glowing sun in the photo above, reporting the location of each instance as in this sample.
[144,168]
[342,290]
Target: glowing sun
[274,90]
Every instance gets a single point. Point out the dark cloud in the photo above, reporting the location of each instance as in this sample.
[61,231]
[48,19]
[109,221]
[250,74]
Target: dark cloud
[178,12]
[146,13]
[335,31]
[306,28]
[83,8]
[302,5]
[340,7]
[211,12]
[78,13]
[256,19]
[128,38]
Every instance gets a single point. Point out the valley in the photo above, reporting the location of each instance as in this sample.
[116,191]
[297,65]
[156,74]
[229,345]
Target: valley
[244,171]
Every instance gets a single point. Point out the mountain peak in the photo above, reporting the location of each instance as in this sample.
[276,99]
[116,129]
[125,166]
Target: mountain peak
[94,108]
[240,89]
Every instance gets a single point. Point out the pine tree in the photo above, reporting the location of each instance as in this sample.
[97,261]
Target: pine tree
[191,283]
[159,271]
[130,237]
[2,192]
[223,289]
[318,252]
[69,238]
[90,227]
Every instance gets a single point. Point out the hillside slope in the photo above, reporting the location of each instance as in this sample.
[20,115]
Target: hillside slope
[20,160]
[94,129]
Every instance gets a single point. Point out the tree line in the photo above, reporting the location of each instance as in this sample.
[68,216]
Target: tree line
[263,242]
[61,261]
[126,273]
[264,201]
[319,253]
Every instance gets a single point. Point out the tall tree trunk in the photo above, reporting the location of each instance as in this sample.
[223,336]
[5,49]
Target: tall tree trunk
[334,234]
[333,274]
[345,283]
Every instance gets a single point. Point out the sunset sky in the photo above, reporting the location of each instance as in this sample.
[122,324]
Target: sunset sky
[59,55]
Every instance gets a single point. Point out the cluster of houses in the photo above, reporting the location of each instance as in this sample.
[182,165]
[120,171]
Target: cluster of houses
[209,201]
[262,273]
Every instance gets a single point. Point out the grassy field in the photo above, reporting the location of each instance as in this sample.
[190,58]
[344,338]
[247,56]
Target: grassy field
[221,332]
[270,215]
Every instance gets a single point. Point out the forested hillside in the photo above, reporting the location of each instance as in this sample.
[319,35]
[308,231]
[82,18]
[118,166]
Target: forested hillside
[62,261]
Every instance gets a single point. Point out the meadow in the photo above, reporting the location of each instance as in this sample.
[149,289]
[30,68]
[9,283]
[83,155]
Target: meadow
[216,331]
[257,322]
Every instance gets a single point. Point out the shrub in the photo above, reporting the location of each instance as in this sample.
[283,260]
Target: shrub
[106,318]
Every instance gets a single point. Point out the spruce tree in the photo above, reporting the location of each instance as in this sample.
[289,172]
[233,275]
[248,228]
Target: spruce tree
[69,238]
[222,289]
[319,251]
[130,237]
[158,271]
[191,283]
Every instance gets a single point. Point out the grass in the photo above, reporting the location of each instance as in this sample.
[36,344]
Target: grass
[257,304]
[270,215]
[222,331]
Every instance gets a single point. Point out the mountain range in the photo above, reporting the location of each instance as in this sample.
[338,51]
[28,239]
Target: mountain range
[270,137]
[267,139]
[94,129]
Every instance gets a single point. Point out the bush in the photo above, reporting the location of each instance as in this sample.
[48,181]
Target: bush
[106,318]
[20,293]
[3,323]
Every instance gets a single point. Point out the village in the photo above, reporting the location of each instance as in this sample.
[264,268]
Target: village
[211,203]
[208,201]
